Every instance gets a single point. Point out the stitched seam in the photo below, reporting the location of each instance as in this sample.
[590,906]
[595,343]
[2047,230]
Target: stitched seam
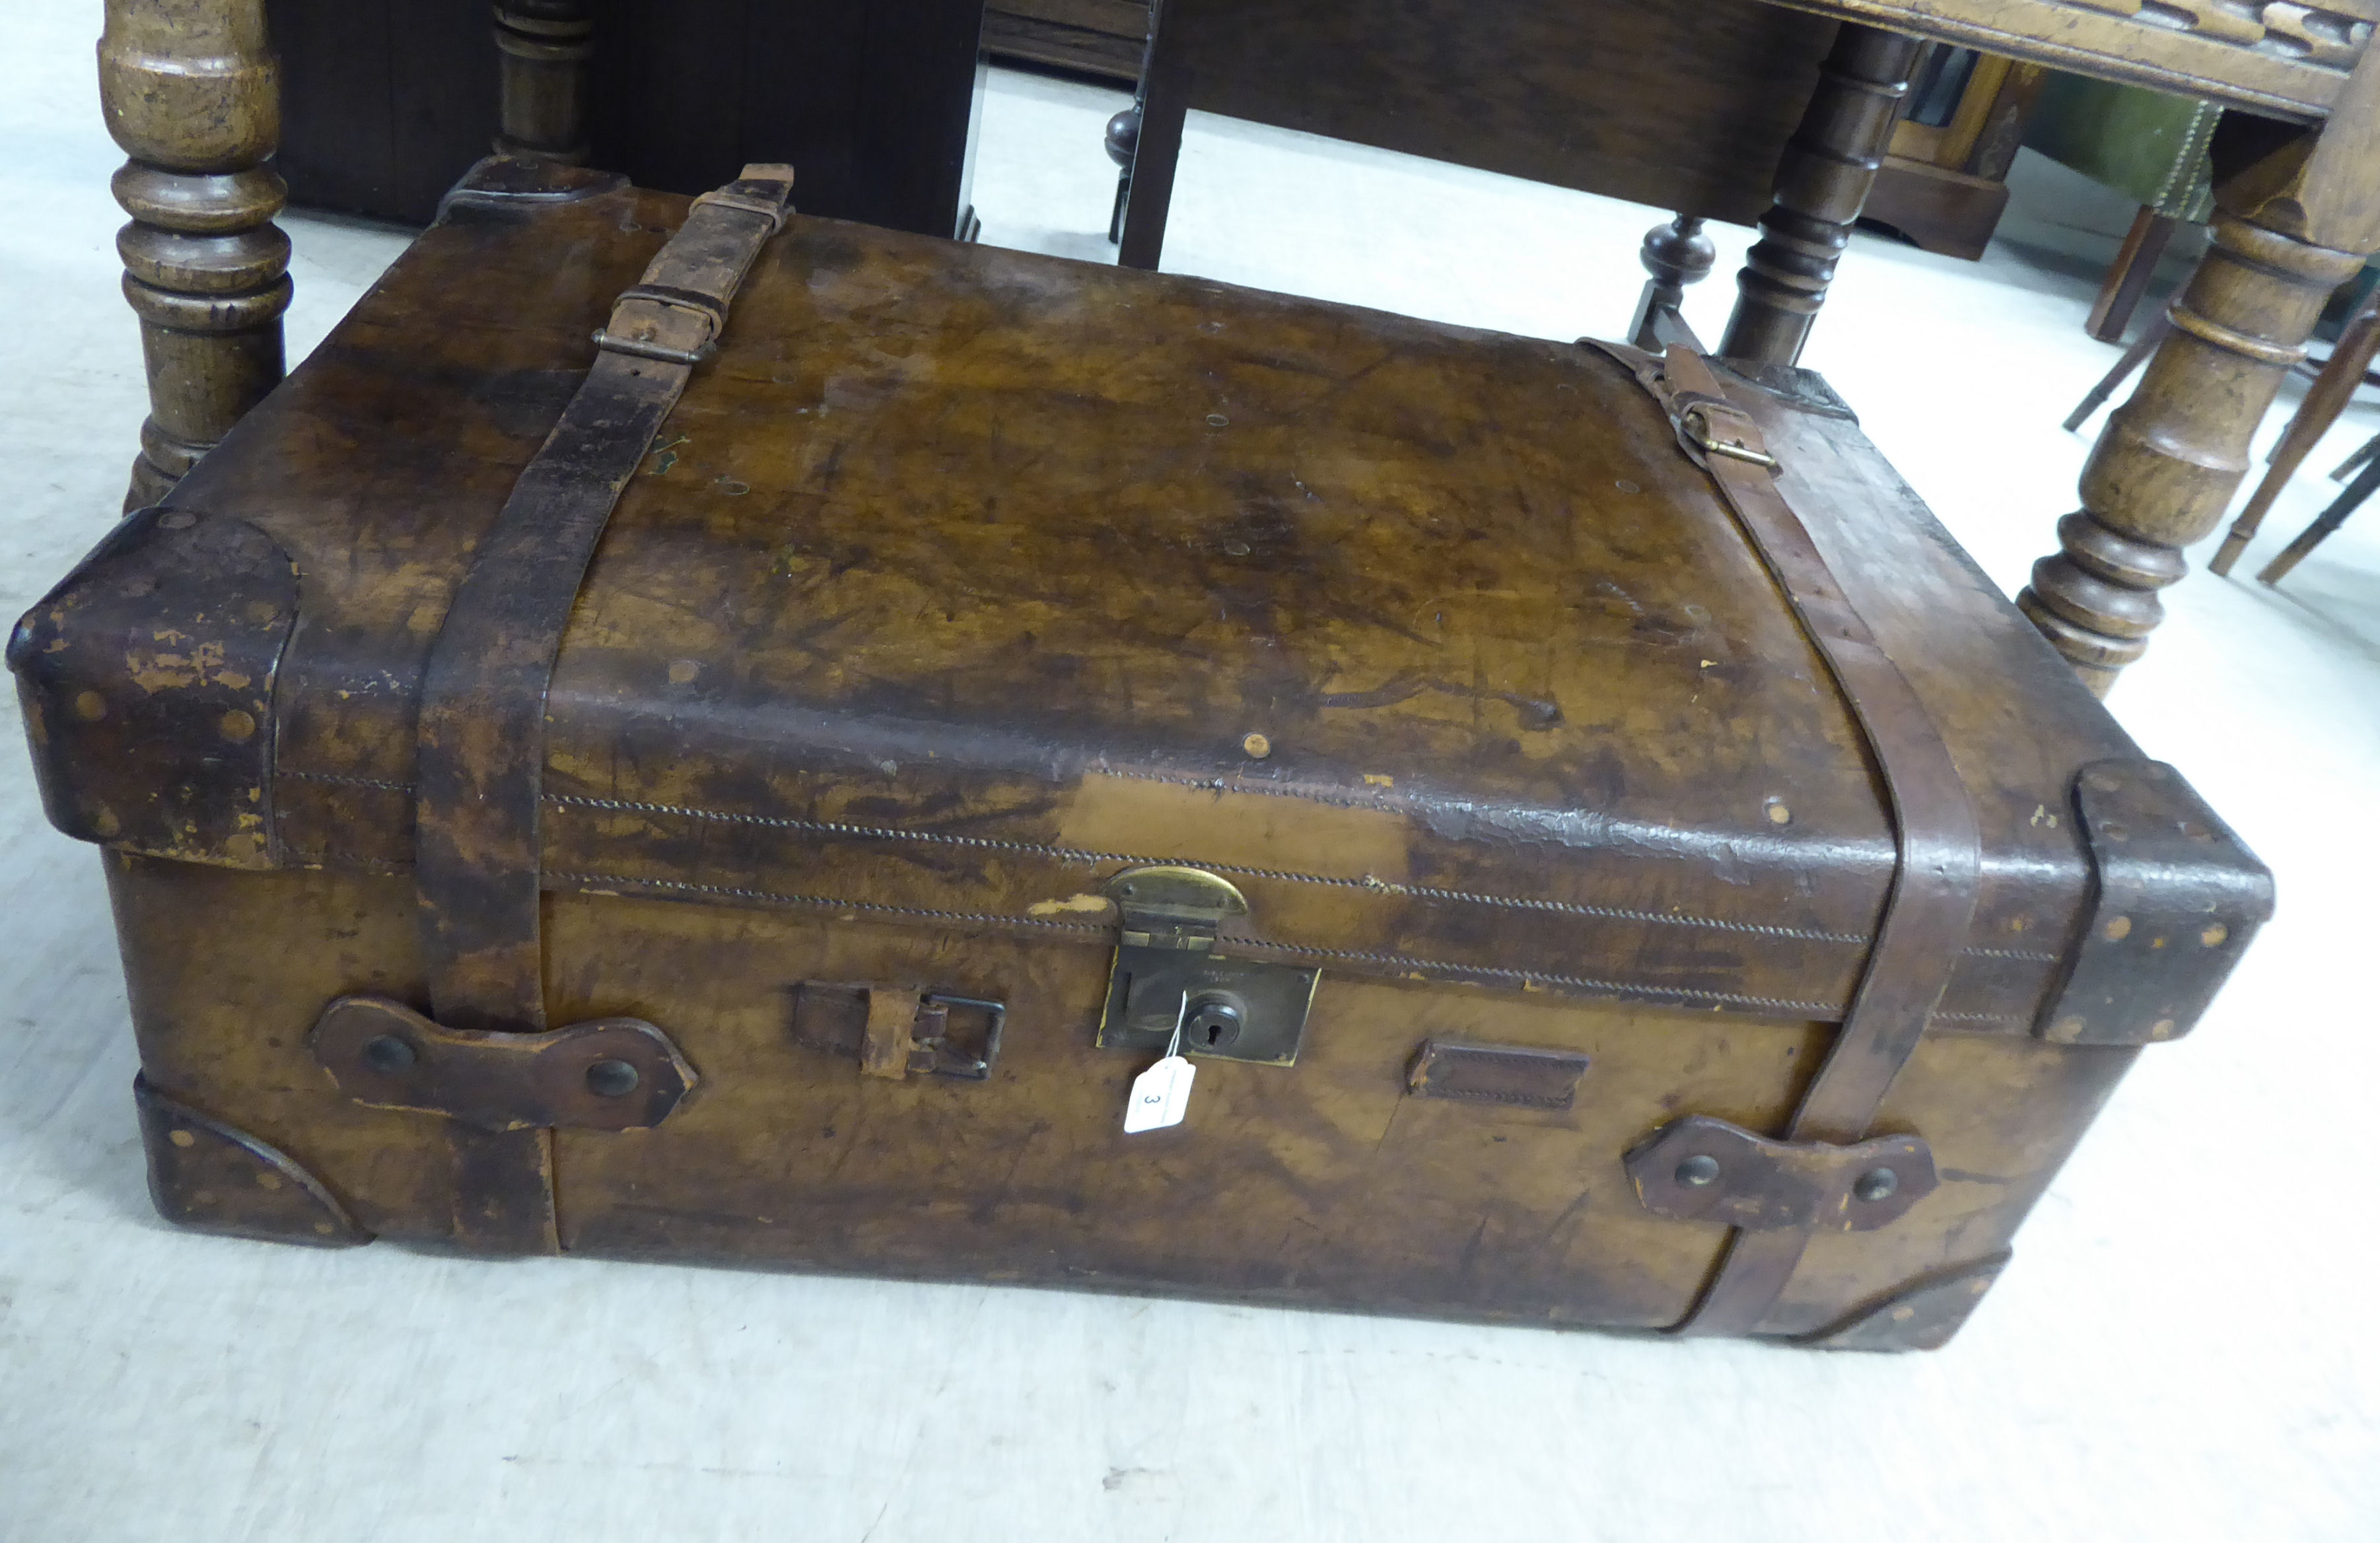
[1001,918]
[1291,876]
[333,777]
[1380,886]
[826,903]
[1614,988]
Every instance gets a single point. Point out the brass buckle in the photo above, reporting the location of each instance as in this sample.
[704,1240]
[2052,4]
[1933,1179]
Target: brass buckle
[1690,413]
[1694,426]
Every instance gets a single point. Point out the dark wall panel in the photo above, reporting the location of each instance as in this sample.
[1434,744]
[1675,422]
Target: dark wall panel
[386,102]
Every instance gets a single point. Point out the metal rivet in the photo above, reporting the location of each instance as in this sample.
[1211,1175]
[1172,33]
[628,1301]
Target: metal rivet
[612,1079]
[91,706]
[1216,420]
[1778,813]
[2214,935]
[1258,746]
[2115,931]
[238,726]
[1877,1183]
[1236,549]
[1697,1170]
[1624,485]
[182,1139]
[390,1053]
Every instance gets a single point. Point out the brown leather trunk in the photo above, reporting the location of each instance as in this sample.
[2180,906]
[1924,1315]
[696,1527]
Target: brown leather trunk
[1536,851]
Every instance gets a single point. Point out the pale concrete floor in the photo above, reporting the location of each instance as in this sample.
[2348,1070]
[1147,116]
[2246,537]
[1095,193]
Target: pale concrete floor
[2185,1348]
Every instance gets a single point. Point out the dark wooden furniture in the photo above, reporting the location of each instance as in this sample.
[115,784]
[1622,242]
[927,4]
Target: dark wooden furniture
[385,103]
[1647,104]
[1680,106]
[2129,277]
[1943,181]
[1100,38]
[191,92]
[2348,368]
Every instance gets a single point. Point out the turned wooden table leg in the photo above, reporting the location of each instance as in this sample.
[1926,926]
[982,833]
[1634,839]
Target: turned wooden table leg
[2169,458]
[191,93]
[1824,178]
[1676,254]
[2293,226]
[545,49]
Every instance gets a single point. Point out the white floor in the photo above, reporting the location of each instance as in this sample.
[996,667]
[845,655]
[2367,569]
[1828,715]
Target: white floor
[2185,1348]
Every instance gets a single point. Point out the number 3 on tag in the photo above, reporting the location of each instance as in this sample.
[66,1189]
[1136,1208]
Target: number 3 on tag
[1159,1096]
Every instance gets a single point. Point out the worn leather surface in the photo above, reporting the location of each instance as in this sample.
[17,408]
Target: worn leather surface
[1327,1184]
[961,578]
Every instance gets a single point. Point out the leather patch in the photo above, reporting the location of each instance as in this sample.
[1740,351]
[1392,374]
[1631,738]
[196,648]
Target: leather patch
[1496,1073]
[892,1014]
[894,1031]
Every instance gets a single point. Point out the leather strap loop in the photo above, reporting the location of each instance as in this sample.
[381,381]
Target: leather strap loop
[1932,901]
[480,744]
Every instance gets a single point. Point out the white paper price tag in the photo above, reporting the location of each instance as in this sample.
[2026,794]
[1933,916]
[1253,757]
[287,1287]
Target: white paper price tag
[1160,1096]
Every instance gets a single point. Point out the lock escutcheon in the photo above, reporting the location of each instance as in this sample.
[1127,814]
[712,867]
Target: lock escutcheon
[1167,973]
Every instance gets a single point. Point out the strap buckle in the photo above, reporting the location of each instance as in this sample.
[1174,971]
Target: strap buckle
[662,352]
[1740,440]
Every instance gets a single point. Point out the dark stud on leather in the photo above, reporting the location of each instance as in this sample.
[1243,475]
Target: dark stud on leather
[610,1079]
[1877,1183]
[390,1053]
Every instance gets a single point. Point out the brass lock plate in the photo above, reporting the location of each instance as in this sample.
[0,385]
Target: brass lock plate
[1229,1009]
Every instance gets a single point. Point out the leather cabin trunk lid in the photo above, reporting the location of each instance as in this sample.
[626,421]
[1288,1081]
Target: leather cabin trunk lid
[962,578]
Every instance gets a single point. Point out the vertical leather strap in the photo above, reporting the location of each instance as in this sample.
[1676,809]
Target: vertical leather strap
[1932,901]
[481,736]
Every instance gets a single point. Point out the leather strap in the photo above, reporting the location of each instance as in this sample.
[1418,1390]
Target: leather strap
[1932,901]
[481,734]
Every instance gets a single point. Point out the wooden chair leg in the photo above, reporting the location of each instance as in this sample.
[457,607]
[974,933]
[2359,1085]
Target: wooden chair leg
[192,95]
[2320,409]
[2134,357]
[545,49]
[2127,278]
[1676,254]
[1822,180]
[2327,521]
[1164,107]
[1122,143]
[2294,227]
[2363,456]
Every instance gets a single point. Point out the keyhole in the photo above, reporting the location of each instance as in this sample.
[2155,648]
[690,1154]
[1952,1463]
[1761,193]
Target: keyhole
[1213,1022]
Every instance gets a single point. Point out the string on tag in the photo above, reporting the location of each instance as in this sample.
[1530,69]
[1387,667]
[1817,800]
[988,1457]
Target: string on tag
[1160,1096]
